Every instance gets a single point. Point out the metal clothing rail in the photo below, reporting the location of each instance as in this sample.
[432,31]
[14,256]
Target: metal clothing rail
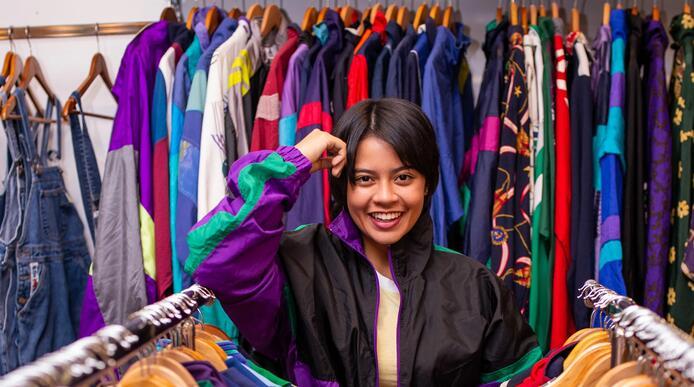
[71,30]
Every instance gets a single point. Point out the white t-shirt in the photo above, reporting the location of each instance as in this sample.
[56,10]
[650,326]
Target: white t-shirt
[387,332]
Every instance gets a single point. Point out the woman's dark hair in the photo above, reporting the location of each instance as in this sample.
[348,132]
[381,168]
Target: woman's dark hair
[398,122]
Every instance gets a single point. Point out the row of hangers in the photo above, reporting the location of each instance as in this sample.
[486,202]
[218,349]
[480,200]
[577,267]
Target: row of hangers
[531,13]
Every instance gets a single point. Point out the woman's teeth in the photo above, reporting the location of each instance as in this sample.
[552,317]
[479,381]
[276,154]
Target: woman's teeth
[385,216]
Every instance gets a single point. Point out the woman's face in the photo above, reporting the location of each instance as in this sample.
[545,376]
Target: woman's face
[386,197]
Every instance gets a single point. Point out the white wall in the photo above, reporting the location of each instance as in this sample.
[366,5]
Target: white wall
[65,61]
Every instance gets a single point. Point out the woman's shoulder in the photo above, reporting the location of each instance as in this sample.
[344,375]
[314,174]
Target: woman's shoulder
[457,266]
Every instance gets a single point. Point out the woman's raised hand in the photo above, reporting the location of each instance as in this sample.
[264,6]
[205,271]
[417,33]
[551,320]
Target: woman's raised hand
[316,143]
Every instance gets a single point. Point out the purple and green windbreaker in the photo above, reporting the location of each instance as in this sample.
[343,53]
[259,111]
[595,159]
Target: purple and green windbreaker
[122,280]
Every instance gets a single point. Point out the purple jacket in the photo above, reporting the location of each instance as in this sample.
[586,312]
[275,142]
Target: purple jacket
[308,299]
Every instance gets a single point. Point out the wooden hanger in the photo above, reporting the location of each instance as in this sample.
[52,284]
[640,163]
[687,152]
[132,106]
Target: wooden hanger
[213,19]
[310,16]
[524,17]
[254,11]
[598,367]
[580,334]
[403,17]
[575,18]
[321,14]
[176,355]
[554,7]
[169,14]
[619,4]
[656,11]
[542,10]
[533,15]
[378,7]
[208,350]
[606,14]
[97,69]
[572,374]
[235,13]
[637,381]
[514,13]
[448,20]
[436,14]
[420,15]
[12,74]
[148,380]
[31,70]
[213,330]
[391,12]
[591,339]
[191,17]
[272,20]
[347,15]
[499,13]
[191,352]
[150,369]
[686,8]
[634,9]
[620,372]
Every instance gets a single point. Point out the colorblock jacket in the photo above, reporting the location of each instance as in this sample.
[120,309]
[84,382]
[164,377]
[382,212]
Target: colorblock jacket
[308,299]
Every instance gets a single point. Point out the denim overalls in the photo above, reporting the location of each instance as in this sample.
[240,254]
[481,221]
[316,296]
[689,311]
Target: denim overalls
[44,255]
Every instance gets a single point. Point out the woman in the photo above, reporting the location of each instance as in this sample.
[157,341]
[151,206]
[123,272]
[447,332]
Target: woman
[367,300]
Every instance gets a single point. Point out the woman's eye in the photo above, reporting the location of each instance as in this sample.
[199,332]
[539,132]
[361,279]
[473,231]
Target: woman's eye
[362,179]
[403,177]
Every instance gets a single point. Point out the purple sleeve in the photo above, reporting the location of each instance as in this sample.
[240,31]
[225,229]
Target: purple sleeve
[233,249]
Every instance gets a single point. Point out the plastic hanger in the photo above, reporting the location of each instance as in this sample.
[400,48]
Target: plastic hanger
[97,69]
[436,14]
[575,18]
[620,372]
[272,20]
[168,14]
[191,17]
[213,19]
[391,12]
[31,70]
[254,11]
[421,15]
[594,338]
[309,19]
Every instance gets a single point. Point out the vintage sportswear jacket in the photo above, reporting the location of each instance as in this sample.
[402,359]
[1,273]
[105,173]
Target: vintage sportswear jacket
[308,299]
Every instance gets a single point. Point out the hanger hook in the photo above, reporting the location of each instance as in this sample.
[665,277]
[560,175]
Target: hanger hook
[28,36]
[10,32]
[96,33]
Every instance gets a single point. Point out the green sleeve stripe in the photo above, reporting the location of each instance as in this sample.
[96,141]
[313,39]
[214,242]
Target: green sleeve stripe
[513,369]
[445,249]
[251,183]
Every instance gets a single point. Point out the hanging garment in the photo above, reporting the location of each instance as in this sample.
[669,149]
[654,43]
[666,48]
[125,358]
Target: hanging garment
[393,35]
[315,114]
[485,146]
[161,131]
[510,232]
[123,281]
[634,220]
[688,261]
[265,128]
[211,186]
[340,71]
[361,70]
[87,168]
[396,82]
[600,81]
[660,165]
[582,264]
[47,252]
[610,154]
[680,293]
[562,321]
[417,59]
[185,69]
[4,160]
[291,93]
[342,287]
[542,237]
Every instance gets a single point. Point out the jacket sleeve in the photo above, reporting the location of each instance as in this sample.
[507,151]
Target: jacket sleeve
[233,249]
[510,346]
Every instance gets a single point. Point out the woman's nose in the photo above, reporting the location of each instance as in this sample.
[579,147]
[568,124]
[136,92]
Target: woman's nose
[385,193]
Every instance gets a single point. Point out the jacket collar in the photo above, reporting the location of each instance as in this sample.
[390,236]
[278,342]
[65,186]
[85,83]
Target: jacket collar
[409,255]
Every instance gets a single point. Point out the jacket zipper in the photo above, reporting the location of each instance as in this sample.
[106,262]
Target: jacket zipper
[397,328]
[375,325]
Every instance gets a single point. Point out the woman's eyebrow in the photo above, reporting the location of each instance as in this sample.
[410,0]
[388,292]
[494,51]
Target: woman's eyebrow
[396,170]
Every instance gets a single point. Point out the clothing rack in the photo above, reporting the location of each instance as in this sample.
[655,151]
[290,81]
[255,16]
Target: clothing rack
[637,333]
[71,30]
[94,359]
